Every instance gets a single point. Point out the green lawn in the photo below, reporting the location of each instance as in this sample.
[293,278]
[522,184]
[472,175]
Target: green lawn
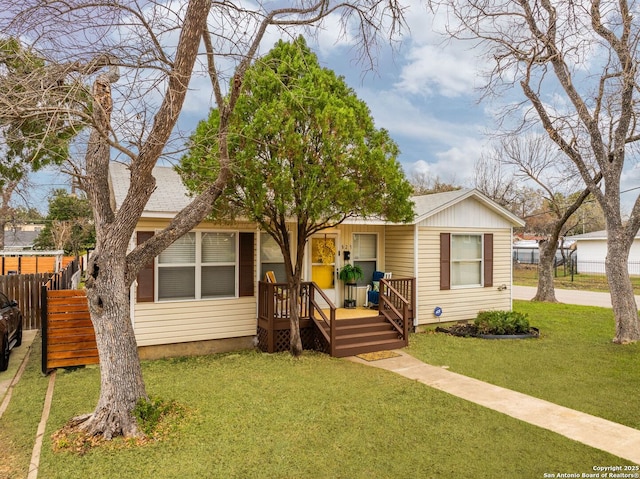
[527,275]
[254,415]
[573,363]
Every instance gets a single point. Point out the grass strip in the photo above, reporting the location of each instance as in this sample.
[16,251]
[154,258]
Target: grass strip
[19,422]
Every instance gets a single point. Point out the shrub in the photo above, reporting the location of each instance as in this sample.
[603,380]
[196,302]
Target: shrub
[502,322]
[150,413]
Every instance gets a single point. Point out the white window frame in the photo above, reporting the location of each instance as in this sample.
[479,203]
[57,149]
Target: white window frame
[376,258]
[453,261]
[198,265]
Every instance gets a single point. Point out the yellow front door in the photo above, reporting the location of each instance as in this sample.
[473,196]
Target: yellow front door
[323,263]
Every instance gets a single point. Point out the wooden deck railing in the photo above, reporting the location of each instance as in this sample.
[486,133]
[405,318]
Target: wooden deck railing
[320,318]
[405,289]
[274,310]
[395,308]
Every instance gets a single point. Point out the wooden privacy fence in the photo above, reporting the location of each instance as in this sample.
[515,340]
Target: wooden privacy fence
[23,263]
[25,289]
[68,338]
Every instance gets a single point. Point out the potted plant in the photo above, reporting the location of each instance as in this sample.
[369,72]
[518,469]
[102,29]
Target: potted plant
[350,274]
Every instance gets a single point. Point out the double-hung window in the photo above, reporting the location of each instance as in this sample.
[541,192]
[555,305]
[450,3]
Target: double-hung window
[199,265]
[466,260]
[365,255]
[218,265]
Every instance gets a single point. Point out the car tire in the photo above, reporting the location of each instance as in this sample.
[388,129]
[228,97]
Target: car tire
[19,335]
[4,353]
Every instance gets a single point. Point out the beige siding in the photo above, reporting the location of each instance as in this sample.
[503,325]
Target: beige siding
[469,213]
[464,303]
[183,321]
[169,322]
[346,238]
[400,251]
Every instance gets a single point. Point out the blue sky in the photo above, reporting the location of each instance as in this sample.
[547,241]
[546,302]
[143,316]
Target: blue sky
[424,91]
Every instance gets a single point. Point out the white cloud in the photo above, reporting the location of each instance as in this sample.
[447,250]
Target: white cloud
[455,165]
[432,69]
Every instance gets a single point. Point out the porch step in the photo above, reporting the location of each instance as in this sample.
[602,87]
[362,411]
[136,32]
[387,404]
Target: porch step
[367,347]
[368,336]
[365,335]
[362,328]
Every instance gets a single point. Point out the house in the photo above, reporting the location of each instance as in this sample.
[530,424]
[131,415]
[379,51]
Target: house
[204,292]
[591,251]
[528,251]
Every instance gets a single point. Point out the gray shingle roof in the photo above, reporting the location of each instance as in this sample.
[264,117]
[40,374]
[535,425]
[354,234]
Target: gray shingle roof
[170,195]
[19,239]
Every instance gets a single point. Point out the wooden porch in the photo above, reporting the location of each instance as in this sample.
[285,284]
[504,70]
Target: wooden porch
[327,330]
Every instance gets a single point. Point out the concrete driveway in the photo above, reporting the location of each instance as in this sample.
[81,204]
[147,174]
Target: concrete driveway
[15,360]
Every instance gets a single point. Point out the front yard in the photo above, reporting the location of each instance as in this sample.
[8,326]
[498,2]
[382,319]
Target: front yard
[270,416]
[573,363]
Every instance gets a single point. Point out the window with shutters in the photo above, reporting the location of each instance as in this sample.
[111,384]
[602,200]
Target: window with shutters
[199,265]
[365,254]
[466,260]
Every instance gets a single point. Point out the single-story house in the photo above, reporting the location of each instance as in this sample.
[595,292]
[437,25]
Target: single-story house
[203,290]
[19,240]
[528,251]
[591,249]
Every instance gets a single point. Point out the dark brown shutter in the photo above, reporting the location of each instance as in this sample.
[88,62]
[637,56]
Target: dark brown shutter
[445,260]
[246,273]
[146,275]
[488,260]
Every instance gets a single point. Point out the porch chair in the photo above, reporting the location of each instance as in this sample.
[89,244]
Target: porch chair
[373,289]
[282,296]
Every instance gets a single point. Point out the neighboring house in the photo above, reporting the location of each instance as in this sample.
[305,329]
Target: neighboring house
[591,250]
[19,240]
[201,294]
[528,251]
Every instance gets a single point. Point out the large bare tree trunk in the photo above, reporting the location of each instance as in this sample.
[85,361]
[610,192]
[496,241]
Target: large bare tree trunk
[622,298]
[546,291]
[121,383]
[111,270]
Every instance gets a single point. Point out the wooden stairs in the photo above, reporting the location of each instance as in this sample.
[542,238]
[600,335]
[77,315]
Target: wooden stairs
[365,335]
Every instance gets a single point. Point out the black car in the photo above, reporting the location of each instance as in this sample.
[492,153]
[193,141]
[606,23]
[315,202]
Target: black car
[10,329]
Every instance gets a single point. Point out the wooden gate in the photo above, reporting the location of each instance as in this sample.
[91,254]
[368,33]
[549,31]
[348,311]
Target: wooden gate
[68,338]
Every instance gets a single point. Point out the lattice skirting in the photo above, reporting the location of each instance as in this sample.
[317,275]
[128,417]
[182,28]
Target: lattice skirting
[282,339]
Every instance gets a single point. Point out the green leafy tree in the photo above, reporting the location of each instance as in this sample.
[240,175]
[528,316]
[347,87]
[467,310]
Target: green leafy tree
[306,150]
[27,142]
[69,224]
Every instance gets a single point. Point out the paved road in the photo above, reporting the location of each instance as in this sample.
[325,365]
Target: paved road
[569,296]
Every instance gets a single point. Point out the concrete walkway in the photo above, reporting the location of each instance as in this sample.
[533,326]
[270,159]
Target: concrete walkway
[596,432]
